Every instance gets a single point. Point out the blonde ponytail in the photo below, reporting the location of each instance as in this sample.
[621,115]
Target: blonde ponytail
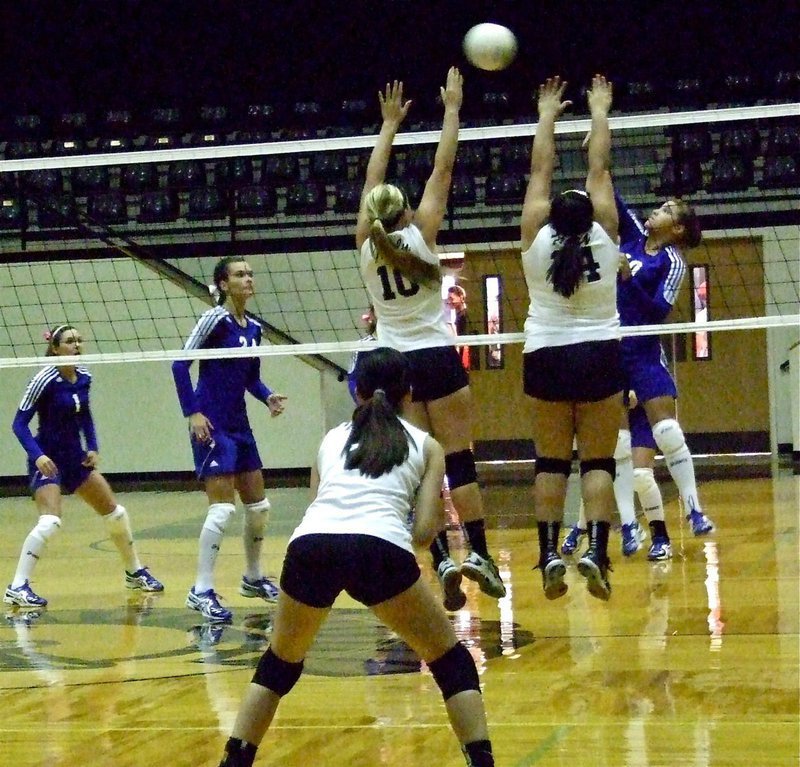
[385,248]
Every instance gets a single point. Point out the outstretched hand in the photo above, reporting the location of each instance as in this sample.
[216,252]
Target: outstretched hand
[275,403]
[599,95]
[551,93]
[393,108]
[452,92]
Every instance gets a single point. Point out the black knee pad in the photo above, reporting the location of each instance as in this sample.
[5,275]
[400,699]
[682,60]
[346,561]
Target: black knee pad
[276,674]
[600,464]
[455,672]
[546,465]
[460,469]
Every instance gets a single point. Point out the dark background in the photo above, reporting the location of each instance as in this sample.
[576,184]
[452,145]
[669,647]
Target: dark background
[84,56]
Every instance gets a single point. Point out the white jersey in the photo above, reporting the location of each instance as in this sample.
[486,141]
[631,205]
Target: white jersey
[590,313]
[410,316]
[350,502]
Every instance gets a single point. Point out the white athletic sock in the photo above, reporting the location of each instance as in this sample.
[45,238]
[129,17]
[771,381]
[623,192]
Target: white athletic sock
[119,530]
[210,542]
[211,536]
[672,443]
[623,480]
[649,493]
[582,517]
[33,546]
[255,522]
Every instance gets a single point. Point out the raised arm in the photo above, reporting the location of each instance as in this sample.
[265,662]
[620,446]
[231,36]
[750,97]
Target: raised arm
[393,111]
[630,227]
[536,207]
[433,204]
[598,177]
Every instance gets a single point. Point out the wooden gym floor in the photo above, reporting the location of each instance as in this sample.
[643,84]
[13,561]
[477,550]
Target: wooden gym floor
[692,662]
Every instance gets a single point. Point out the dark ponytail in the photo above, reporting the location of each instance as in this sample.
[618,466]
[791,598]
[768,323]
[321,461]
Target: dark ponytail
[378,441]
[221,273]
[567,266]
[571,217]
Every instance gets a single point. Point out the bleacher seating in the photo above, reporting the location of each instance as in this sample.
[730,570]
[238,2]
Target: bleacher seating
[709,159]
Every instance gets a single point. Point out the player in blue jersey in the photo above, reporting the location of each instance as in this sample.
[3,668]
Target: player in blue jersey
[651,272]
[225,453]
[356,536]
[63,458]
[401,271]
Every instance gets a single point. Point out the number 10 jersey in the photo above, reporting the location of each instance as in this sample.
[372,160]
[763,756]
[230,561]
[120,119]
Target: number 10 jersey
[410,316]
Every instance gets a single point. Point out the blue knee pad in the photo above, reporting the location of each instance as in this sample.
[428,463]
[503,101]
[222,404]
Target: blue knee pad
[460,469]
[600,464]
[276,674]
[455,672]
[546,465]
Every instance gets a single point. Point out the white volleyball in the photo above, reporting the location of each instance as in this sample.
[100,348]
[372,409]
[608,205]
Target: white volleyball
[490,46]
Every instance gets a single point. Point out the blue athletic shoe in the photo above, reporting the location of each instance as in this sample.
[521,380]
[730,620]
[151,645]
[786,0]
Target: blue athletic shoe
[143,580]
[701,524]
[23,596]
[207,604]
[261,587]
[573,540]
[632,538]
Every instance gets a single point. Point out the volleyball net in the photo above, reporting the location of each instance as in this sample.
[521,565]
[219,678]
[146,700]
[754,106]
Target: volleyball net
[123,244]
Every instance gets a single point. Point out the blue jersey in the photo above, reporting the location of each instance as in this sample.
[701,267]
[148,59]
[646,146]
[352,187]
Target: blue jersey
[650,293]
[221,383]
[65,426]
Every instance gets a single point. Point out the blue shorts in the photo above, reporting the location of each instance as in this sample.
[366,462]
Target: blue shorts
[647,372]
[319,566]
[227,453]
[71,473]
[641,431]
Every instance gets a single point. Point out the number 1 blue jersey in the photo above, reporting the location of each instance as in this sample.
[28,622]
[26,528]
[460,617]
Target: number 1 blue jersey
[410,316]
[221,383]
[64,418]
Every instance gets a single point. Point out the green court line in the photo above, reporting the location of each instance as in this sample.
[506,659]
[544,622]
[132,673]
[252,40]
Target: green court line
[534,756]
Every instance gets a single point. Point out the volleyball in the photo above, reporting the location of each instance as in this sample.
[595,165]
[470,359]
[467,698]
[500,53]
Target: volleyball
[490,46]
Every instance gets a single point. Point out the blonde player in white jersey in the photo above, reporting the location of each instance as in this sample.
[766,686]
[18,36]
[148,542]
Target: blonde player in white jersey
[370,474]
[572,367]
[401,271]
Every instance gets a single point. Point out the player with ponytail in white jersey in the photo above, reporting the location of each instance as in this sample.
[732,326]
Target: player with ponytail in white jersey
[572,368]
[400,268]
[369,475]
